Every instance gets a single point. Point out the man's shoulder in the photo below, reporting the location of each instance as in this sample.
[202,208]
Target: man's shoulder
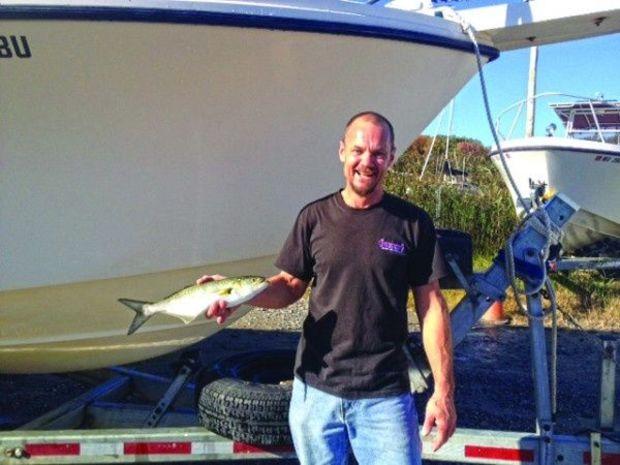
[406,209]
[318,204]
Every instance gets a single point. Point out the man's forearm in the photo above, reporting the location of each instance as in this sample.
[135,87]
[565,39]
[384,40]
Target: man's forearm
[437,340]
[283,291]
[436,336]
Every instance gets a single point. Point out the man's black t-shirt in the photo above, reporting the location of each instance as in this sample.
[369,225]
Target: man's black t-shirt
[362,263]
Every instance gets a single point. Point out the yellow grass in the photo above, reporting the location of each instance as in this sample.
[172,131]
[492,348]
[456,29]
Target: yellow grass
[590,310]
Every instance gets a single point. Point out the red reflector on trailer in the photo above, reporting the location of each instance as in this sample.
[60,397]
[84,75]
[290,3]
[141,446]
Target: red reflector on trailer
[499,453]
[148,448]
[242,448]
[71,448]
[606,459]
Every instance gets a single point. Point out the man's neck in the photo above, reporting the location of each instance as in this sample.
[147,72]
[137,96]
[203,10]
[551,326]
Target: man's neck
[360,202]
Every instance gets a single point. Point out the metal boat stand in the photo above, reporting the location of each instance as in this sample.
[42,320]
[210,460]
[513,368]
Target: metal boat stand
[113,432]
[543,448]
[586,263]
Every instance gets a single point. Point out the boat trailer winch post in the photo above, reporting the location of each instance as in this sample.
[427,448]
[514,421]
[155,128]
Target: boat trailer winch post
[485,288]
[540,371]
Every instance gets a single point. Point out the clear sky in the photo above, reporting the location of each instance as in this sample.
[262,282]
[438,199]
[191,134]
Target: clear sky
[583,67]
[580,67]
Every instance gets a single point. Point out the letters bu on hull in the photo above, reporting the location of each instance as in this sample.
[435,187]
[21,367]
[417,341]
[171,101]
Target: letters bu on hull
[14,47]
[142,151]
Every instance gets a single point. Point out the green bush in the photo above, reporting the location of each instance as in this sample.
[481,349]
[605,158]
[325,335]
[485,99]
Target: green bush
[480,206]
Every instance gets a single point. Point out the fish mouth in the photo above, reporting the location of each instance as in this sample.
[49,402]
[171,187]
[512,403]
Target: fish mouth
[257,284]
[261,286]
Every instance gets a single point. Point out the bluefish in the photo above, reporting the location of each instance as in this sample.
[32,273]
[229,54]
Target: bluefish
[192,301]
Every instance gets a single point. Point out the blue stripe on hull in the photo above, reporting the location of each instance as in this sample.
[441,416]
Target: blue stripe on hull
[158,15]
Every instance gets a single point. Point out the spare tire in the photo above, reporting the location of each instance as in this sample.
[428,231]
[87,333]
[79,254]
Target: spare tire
[246,397]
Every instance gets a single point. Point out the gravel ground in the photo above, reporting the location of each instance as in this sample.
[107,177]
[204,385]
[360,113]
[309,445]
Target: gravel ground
[492,365]
[286,319]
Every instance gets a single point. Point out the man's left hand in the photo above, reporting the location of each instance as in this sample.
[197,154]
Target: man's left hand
[440,412]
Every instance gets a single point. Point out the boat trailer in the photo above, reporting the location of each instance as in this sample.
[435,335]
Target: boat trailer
[111,431]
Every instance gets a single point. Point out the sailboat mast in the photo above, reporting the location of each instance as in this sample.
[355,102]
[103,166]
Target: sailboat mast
[531,92]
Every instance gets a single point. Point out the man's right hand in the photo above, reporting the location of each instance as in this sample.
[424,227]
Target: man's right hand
[209,277]
[218,309]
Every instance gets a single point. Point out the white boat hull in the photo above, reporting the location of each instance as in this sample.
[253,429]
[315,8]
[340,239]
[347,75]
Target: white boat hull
[81,326]
[587,172]
[138,155]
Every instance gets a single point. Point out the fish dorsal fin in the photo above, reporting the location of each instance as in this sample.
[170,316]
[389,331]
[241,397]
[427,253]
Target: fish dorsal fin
[177,291]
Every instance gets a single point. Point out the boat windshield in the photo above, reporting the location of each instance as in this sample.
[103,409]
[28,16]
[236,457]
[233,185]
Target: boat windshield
[581,118]
[597,120]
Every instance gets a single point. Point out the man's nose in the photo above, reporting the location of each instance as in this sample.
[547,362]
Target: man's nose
[367,158]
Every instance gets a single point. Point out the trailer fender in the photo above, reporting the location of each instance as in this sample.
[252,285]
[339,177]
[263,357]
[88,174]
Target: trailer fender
[246,397]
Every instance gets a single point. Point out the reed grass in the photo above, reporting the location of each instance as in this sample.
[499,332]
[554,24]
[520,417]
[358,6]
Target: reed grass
[480,206]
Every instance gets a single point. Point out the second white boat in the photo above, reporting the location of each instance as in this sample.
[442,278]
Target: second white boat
[584,165]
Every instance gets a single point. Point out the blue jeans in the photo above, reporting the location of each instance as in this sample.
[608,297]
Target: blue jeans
[325,428]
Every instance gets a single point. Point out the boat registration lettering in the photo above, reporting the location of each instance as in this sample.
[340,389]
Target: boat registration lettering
[14,47]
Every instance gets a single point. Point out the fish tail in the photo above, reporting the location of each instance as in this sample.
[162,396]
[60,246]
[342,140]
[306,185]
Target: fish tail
[140,318]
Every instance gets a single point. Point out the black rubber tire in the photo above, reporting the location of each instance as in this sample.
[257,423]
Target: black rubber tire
[246,397]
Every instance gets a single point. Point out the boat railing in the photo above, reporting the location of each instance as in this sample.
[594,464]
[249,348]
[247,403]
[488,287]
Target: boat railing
[597,132]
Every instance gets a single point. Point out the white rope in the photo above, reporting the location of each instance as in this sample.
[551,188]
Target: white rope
[538,219]
[467,28]
[430,150]
[554,347]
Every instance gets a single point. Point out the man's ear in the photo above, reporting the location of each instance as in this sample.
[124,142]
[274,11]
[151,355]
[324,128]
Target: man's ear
[341,151]
[392,158]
